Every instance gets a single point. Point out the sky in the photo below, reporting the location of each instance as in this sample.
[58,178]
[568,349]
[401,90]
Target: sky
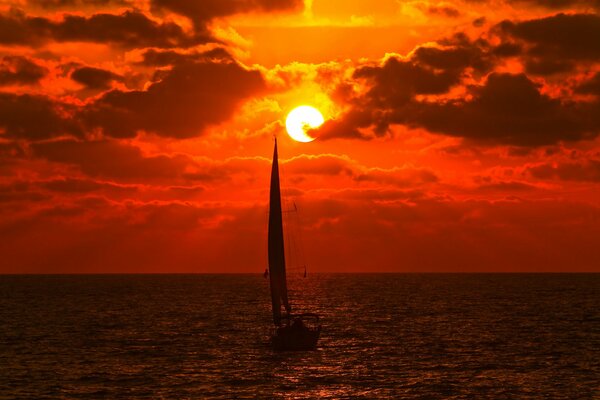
[460,136]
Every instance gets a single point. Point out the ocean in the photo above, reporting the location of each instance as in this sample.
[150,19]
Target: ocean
[400,336]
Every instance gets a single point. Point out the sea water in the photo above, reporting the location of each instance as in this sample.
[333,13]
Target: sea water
[413,336]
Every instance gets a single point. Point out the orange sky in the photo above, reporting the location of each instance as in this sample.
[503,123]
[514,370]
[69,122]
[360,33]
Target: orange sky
[460,136]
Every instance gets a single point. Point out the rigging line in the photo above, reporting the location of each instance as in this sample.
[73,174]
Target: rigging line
[296,228]
[301,241]
[284,194]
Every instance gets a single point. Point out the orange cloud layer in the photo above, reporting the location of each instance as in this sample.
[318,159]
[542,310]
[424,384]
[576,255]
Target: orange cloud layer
[136,136]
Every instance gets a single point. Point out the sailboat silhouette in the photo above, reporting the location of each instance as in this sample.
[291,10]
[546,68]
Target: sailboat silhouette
[293,331]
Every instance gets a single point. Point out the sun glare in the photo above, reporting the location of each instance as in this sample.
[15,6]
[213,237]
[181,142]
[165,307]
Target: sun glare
[300,120]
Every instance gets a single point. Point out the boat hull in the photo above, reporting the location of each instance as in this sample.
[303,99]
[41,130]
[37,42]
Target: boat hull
[290,339]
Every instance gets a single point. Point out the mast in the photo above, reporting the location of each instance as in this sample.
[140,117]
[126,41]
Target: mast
[276,249]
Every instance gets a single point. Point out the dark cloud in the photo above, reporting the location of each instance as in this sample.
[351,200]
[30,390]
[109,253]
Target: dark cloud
[507,49]
[181,102]
[584,171]
[16,28]
[129,29]
[325,164]
[10,150]
[430,70]
[569,35]
[36,117]
[20,192]
[202,11]
[458,53]
[448,11]
[555,43]
[185,101]
[111,159]
[547,66]
[161,58]
[592,86]
[94,78]
[509,186]
[121,162]
[333,165]
[394,85]
[549,4]
[396,82]
[400,177]
[77,4]
[555,4]
[353,125]
[479,22]
[20,70]
[506,109]
[77,185]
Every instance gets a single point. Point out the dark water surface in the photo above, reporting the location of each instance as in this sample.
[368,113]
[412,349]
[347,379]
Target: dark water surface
[384,336]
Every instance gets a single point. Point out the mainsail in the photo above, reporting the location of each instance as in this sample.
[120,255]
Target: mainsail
[276,250]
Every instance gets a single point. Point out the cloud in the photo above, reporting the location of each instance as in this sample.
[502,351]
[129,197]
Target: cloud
[187,99]
[397,233]
[82,186]
[400,177]
[71,173]
[505,109]
[479,22]
[555,4]
[77,4]
[19,70]
[51,119]
[11,149]
[130,236]
[121,162]
[591,86]
[440,88]
[501,234]
[444,9]
[323,164]
[556,42]
[428,70]
[507,186]
[202,11]
[583,171]
[161,58]
[343,166]
[181,103]
[457,54]
[395,84]
[111,159]
[19,192]
[94,78]
[130,29]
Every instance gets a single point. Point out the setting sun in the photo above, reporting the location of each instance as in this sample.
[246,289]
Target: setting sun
[300,120]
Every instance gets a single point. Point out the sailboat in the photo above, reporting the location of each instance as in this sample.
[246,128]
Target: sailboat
[292,331]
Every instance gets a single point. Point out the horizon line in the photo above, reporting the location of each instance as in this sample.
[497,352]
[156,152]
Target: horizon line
[313,273]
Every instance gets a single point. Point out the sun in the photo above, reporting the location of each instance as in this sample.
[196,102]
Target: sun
[300,120]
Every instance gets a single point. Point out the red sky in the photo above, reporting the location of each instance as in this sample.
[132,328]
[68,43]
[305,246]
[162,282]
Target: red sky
[136,136]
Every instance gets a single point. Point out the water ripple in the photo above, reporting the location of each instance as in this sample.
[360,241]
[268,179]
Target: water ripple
[384,336]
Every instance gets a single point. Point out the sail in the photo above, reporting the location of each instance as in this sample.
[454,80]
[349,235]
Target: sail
[277,276]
